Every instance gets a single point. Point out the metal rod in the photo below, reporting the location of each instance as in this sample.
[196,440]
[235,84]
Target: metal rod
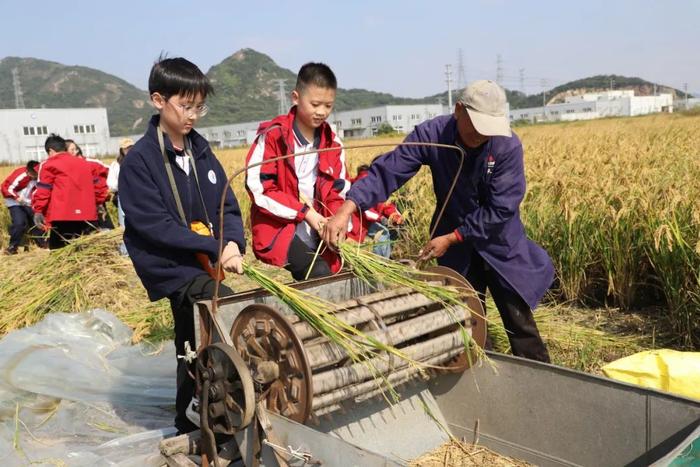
[370,388]
[358,372]
[362,313]
[326,353]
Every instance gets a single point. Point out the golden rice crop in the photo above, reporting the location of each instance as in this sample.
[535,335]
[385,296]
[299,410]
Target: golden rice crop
[614,202]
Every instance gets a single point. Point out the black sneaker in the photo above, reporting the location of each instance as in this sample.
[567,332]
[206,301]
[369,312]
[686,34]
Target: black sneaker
[11,250]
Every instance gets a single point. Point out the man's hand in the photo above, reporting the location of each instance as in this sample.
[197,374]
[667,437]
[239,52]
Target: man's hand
[315,220]
[231,258]
[39,220]
[437,247]
[395,218]
[337,226]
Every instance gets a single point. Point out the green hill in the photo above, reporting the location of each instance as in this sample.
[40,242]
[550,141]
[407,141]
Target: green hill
[53,85]
[246,90]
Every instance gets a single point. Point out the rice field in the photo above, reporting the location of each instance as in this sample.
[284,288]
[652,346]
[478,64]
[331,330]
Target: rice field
[614,202]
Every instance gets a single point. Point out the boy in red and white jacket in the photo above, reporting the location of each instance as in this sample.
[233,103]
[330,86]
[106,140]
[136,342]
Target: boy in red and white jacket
[17,190]
[293,197]
[67,194]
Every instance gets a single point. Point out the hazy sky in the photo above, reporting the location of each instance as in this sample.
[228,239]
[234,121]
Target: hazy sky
[393,46]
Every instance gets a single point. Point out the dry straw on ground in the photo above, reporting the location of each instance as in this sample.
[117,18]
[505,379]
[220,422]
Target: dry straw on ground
[458,454]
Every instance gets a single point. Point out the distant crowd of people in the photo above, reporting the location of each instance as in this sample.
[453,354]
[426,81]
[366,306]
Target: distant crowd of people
[61,198]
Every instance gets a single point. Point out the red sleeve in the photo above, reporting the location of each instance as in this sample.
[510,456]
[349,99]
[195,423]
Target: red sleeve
[44,185]
[99,180]
[386,209]
[335,196]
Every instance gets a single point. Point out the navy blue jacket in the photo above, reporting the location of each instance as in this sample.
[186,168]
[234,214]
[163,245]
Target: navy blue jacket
[484,209]
[161,247]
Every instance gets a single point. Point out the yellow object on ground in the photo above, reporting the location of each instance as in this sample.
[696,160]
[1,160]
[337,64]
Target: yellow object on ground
[664,369]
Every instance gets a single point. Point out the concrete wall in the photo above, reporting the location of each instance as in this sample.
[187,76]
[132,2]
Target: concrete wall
[23,131]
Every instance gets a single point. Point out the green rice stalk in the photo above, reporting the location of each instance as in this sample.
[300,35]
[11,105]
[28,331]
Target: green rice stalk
[372,268]
[319,313]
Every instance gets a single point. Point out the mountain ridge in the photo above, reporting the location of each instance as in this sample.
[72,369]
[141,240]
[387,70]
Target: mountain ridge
[246,90]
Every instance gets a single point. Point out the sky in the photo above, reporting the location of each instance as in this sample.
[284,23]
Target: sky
[400,47]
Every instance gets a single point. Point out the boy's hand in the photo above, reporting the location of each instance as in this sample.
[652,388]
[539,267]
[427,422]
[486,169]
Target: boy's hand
[437,247]
[39,220]
[337,226]
[315,220]
[231,258]
[395,219]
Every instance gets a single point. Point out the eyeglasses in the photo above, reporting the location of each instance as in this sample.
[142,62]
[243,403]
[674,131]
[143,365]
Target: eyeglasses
[194,110]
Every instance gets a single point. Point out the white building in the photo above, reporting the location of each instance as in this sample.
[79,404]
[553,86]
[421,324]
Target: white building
[24,131]
[596,105]
[364,123]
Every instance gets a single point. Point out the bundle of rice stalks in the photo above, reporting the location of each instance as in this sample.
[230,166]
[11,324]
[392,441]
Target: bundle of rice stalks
[88,273]
[320,314]
[373,268]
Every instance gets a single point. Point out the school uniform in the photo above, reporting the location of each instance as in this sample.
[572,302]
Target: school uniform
[17,191]
[282,191]
[67,194]
[162,247]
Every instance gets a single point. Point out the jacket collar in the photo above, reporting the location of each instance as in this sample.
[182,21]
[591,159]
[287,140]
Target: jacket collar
[199,143]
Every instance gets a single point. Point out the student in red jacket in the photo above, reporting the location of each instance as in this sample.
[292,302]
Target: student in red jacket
[380,221]
[292,198]
[17,190]
[100,171]
[67,194]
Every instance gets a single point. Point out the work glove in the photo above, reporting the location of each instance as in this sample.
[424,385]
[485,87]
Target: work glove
[39,220]
[102,212]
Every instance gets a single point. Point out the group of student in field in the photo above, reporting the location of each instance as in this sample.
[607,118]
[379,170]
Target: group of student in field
[63,197]
[302,206]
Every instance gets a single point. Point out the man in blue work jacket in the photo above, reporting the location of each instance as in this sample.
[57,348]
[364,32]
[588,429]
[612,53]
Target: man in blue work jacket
[480,234]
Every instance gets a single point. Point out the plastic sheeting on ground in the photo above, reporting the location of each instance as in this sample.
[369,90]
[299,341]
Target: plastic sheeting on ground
[664,369]
[74,391]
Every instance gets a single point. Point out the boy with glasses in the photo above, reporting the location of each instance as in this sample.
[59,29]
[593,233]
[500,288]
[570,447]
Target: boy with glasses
[170,184]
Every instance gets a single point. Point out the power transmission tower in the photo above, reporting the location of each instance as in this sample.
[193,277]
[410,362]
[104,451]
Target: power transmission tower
[448,79]
[612,83]
[283,106]
[521,72]
[461,76]
[499,69]
[17,84]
